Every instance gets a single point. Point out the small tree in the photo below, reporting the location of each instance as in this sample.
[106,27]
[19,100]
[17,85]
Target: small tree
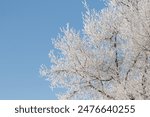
[110,59]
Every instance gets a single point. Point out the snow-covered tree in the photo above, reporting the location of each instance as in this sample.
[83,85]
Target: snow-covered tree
[109,59]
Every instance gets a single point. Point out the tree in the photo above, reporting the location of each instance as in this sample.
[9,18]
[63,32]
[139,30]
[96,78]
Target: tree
[110,59]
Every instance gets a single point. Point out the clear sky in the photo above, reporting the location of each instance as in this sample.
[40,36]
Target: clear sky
[26,29]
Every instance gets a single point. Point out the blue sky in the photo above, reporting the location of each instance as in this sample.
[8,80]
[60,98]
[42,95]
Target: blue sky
[26,29]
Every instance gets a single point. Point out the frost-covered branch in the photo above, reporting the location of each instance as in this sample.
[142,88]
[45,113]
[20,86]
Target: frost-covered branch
[109,58]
